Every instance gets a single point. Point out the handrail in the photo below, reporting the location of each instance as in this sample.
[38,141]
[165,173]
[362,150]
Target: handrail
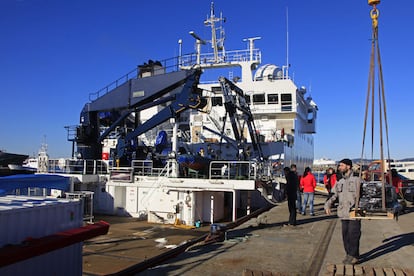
[233,170]
[218,169]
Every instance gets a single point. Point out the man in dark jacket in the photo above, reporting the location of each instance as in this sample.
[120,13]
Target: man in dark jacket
[291,189]
[346,190]
[298,193]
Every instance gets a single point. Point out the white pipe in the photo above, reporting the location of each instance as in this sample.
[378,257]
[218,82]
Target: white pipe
[248,203]
[234,206]
[180,45]
[198,52]
[212,209]
[174,148]
[192,209]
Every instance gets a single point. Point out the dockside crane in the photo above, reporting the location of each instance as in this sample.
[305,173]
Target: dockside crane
[375,95]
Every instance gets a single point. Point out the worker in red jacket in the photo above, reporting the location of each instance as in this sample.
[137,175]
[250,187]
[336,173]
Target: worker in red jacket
[395,181]
[308,184]
[329,179]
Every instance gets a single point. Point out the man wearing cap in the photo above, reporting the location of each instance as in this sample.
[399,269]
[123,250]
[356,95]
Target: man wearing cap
[345,190]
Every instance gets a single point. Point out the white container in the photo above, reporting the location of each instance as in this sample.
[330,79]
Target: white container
[24,217]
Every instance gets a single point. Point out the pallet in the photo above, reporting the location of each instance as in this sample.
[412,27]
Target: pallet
[372,215]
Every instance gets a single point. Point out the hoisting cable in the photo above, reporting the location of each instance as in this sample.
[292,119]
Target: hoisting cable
[375,59]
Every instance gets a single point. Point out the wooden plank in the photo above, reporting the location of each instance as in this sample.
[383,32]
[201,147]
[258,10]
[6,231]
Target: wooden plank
[358,270]
[247,272]
[331,268]
[379,272]
[369,271]
[389,271]
[398,272]
[388,215]
[340,270]
[349,270]
[408,271]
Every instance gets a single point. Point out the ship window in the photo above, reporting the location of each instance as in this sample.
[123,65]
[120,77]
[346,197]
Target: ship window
[273,98]
[259,99]
[217,101]
[310,116]
[247,97]
[286,101]
[216,89]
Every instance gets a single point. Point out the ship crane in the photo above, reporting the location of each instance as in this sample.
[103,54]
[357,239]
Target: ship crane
[232,106]
[240,116]
[177,91]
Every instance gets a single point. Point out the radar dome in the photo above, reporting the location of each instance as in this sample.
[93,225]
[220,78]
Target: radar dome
[268,71]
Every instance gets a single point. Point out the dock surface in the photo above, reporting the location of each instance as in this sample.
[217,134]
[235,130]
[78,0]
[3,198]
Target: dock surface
[265,246]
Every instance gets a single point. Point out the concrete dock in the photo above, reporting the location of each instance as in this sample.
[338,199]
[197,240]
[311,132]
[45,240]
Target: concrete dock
[264,246]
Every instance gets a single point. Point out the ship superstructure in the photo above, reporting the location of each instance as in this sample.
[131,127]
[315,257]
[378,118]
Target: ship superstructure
[171,146]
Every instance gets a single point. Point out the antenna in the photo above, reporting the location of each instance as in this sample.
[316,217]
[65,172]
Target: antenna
[287,42]
[199,41]
[251,45]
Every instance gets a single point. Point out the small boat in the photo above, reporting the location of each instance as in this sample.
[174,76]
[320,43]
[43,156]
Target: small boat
[11,163]
[7,158]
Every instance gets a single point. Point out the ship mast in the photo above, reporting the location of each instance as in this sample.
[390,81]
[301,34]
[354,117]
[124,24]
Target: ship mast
[216,44]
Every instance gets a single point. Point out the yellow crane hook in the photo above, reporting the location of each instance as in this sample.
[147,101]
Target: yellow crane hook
[374,12]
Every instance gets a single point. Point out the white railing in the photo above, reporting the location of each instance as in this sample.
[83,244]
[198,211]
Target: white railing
[78,166]
[241,170]
[223,58]
[87,202]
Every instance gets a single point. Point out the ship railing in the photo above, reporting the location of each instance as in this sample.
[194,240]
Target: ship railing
[227,57]
[240,170]
[78,166]
[143,167]
[146,168]
[272,108]
[86,198]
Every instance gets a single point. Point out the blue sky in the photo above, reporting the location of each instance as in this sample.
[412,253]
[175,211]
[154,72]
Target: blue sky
[54,53]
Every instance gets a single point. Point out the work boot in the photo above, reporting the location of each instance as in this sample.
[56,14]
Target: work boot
[354,261]
[347,259]
[350,260]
